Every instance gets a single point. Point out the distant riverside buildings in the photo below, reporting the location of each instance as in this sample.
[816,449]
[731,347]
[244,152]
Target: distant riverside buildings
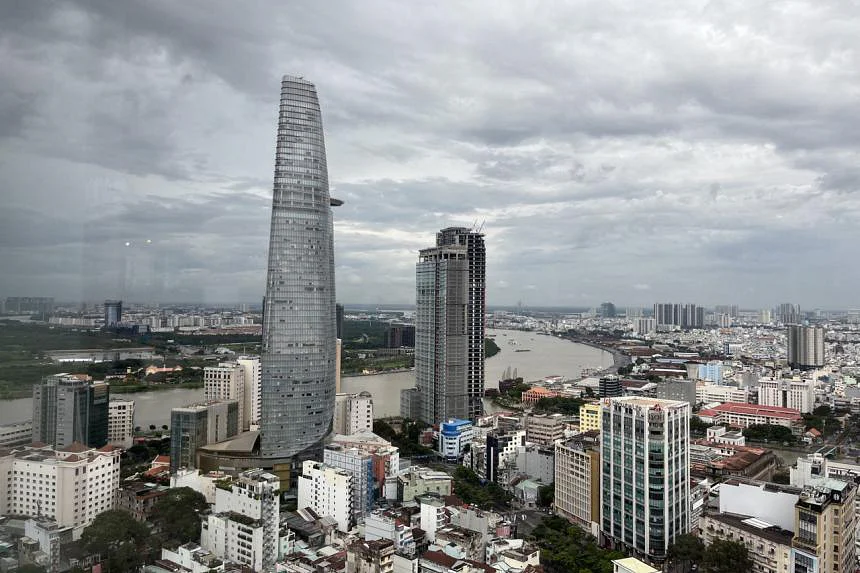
[28,304]
[298,360]
[353,413]
[113,312]
[121,422]
[607,310]
[70,408]
[449,326]
[805,345]
[197,425]
[400,335]
[16,433]
[645,460]
[669,315]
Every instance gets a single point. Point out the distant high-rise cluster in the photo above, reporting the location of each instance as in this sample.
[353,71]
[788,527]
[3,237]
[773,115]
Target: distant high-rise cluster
[113,312]
[805,346]
[298,361]
[683,316]
[449,326]
[787,313]
[607,310]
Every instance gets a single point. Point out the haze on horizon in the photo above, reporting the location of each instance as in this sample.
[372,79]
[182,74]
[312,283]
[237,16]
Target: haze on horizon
[630,152]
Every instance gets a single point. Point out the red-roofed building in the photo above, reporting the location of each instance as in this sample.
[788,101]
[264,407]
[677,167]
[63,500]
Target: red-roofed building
[739,415]
[532,395]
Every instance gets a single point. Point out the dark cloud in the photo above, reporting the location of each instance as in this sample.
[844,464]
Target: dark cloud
[631,152]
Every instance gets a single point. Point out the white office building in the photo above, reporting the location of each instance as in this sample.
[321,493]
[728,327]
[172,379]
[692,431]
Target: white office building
[327,490]
[227,382]
[244,524]
[121,422]
[708,393]
[645,473]
[353,413]
[71,486]
[251,366]
[796,394]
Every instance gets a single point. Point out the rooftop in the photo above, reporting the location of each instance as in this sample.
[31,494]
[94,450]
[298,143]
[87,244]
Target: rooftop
[755,526]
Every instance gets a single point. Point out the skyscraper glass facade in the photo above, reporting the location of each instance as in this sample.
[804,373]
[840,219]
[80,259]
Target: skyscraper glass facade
[299,336]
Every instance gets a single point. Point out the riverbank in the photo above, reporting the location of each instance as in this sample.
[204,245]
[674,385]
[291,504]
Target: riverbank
[377,373]
[619,359]
[137,388]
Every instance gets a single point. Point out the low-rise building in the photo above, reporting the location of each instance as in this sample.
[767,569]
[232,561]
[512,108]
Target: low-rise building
[16,434]
[190,558]
[139,498]
[589,417]
[454,437]
[707,393]
[531,396]
[722,435]
[417,480]
[769,546]
[370,556]
[536,462]
[745,415]
[544,429]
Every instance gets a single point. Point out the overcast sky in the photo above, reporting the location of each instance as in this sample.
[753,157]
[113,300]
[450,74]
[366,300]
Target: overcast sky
[623,151]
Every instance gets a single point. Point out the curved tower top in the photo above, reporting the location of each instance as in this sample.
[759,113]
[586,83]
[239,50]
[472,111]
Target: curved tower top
[299,337]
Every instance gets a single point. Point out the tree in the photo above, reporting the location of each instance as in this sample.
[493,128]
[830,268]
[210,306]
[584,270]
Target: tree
[152,427]
[687,550]
[723,556]
[697,426]
[546,495]
[177,514]
[121,540]
[164,427]
[30,568]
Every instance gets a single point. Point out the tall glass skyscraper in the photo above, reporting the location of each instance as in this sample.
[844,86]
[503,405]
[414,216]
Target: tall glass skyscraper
[449,326]
[299,336]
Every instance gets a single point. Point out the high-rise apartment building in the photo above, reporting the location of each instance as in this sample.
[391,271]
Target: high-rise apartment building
[244,526]
[299,315]
[353,413]
[227,382]
[70,408]
[121,422]
[577,483]
[197,425]
[359,463]
[449,326]
[645,477]
[113,312]
[607,310]
[796,394]
[805,346]
[328,492]
[251,365]
[679,315]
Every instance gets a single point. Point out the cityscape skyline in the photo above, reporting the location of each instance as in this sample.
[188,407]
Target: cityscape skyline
[702,171]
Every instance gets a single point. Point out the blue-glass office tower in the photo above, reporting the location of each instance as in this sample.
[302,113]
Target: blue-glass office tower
[299,332]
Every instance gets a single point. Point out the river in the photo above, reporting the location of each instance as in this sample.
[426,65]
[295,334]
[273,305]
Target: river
[546,356]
